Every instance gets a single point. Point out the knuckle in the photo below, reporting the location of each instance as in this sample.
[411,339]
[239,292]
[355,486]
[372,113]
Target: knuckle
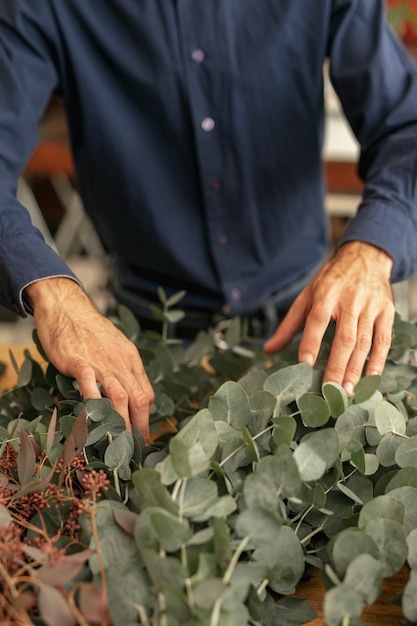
[119,395]
[364,342]
[347,338]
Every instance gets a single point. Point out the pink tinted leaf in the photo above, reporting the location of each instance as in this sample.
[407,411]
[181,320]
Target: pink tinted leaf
[69,450]
[51,431]
[37,555]
[4,481]
[26,459]
[64,570]
[36,485]
[53,607]
[92,604]
[80,430]
[125,519]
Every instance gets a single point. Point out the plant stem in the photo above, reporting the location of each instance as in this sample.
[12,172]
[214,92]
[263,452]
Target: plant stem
[115,472]
[235,558]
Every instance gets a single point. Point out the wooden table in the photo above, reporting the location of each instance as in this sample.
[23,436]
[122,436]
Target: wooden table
[383,613]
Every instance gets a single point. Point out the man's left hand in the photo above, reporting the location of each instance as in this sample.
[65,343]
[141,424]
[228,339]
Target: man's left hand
[352,288]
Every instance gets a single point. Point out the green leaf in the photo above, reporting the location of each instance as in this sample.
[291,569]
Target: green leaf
[5,517]
[386,507]
[168,530]
[412,549]
[315,453]
[289,383]
[200,430]
[165,572]
[276,545]
[196,496]
[25,374]
[116,546]
[366,387]
[97,409]
[41,398]
[207,592]
[285,429]
[127,587]
[152,492]
[287,612]
[387,449]
[406,454]
[409,604]
[222,508]
[174,316]
[350,543]
[231,404]
[408,496]
[389,419]
[364,573]
[342,603]
[336,397]
[259,491]
[282,470]
[119,453]
[315,411]
[188,461]
[262,405]
[389,536]
[175,298]
[251,447]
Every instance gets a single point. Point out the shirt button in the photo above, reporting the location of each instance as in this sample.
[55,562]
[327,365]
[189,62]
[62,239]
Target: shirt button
[236,294]
[223,240]
[198,55]
[216,185]
[208,124]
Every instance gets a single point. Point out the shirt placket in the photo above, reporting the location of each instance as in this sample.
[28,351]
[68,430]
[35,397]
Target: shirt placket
[202,33]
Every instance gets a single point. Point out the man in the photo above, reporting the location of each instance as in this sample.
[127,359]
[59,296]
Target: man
[196,129]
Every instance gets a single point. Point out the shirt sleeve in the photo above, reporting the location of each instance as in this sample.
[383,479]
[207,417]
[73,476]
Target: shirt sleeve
[376,81]
[27,79]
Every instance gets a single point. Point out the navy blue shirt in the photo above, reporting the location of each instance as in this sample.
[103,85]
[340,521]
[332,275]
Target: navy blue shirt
[196,129]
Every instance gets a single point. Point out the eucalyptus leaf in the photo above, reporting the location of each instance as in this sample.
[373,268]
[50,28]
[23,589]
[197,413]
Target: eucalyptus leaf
[407,495]
[170,531]
[366,387]
[406,454]
[119,453]
[315,411]
[364,573]
[386,507]
[412,549]
[409,604]
[128,588]
[349,544]
[282,470]
[389,536]
[285,428]
[389,419]
[336,398]
[231,404]
[341,604]
[289,383]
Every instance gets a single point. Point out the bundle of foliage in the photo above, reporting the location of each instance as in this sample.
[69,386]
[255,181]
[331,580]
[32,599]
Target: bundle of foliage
[257,472]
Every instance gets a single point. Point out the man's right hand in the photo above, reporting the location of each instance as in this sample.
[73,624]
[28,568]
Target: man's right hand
[83,344]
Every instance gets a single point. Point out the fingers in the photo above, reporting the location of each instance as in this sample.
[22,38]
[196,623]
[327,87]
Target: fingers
[130,391]
[292,323]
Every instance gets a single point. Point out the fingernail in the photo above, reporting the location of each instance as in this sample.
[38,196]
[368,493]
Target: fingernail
[348,387]
[306,357]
